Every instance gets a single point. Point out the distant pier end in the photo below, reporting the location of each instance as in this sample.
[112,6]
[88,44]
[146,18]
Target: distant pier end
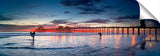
[142,23]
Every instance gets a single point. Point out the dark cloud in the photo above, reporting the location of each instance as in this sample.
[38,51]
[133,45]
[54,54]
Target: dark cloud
[65,21]
[46,16]
[127,17]
[89,13]
[120,21]
[124,19]
[97,21]
[67,12]
[90,9]
[72,23]
[5,27]
[4,18]
[59,21]
[86,6]
[107,7]
[9,28]
[79,2]
[87,10]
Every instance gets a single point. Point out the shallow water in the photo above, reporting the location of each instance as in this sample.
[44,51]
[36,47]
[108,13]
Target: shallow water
[73,44]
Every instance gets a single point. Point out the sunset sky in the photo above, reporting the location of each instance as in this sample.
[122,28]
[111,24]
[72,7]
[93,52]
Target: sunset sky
[23,14]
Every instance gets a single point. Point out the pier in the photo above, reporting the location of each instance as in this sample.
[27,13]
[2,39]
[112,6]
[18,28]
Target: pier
[122,30]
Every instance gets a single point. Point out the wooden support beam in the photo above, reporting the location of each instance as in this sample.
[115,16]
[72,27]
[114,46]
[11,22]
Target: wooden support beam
[150,30]
[138,31]
[122,30]
[133,30]
[127,30]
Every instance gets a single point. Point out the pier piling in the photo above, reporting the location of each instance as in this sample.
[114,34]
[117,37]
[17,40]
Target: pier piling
[150,30]
[127,30]
[138,31]
[122,30]
[133,30]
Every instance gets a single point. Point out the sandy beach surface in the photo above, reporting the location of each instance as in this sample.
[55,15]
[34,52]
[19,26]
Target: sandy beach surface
[77,44]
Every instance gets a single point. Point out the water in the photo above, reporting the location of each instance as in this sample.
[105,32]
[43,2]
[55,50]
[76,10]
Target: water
[77,44]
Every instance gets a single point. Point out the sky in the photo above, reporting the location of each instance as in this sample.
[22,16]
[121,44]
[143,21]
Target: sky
[23,14]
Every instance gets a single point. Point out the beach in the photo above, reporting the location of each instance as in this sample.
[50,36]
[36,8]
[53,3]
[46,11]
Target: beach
[76,44]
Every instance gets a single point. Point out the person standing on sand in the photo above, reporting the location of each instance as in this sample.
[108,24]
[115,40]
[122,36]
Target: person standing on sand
[100,34]
[32,34]
[143,45]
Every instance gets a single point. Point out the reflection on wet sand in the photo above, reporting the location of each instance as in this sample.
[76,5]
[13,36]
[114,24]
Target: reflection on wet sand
[59,40]
[133,40]
[32,43]
[117,43]
[150,45]
[148,40]
[114,44]
[153,38]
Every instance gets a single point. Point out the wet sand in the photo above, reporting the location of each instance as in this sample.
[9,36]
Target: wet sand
[77,44]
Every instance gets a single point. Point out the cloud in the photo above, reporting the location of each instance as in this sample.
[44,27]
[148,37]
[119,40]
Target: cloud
[86,10]
[89,13]
[97,21]
[4,18]
[128,17]
[107,7]
[46,15]
[86,6]
[90,9]
[67,12]
[79,2]
[124,19]
[71,24]
[9,28]
[63,21]
[120,21]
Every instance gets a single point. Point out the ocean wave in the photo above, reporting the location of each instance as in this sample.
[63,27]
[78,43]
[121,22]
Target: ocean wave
[9,43]
[33,48]
[1,37]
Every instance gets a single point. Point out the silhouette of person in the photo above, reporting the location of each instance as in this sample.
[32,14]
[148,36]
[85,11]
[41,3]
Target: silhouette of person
[100,34]
[143,45]
[32,34]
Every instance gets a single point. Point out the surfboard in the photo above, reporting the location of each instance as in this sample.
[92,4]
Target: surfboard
[32,34]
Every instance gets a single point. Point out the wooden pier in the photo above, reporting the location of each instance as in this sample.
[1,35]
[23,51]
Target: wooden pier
[109,30]
[105,29]
[112,29]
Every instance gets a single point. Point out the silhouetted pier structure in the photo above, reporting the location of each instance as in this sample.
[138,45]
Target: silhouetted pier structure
[113,29]
[106,29]
[110,30]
